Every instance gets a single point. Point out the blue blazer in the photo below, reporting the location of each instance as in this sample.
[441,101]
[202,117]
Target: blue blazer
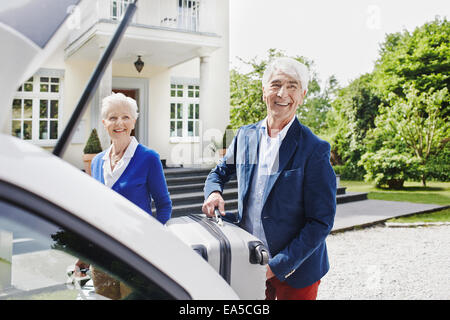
[299,201]
[142,180]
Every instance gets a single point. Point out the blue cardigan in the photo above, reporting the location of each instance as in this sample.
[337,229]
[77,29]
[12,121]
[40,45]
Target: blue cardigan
[142,180]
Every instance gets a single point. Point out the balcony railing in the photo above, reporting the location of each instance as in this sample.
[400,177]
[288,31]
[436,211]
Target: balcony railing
[177,14]
[183,15]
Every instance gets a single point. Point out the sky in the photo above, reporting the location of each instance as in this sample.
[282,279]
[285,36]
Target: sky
[342,37]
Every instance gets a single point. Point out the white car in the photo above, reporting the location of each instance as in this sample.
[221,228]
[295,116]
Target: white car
[52,215]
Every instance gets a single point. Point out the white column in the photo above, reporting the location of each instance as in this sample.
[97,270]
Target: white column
[104,89]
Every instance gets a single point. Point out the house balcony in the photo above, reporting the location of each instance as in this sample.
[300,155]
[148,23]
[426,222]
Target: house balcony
[164,32]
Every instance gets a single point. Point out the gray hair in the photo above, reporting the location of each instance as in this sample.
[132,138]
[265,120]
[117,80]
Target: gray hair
[291,67]
[119,99]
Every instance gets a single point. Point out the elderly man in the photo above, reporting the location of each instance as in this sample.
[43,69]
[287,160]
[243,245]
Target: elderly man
[287,187]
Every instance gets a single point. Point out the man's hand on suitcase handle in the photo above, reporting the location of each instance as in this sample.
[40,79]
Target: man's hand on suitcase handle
[214,201]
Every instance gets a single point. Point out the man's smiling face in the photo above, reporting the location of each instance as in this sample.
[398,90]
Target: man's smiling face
[282,95]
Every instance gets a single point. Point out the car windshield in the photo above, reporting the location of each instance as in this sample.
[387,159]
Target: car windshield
[42,260]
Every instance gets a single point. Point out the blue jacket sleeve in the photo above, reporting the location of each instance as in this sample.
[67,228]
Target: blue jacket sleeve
[320,209]
[157,186]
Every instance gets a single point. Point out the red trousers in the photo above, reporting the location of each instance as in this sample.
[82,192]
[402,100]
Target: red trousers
[276,289]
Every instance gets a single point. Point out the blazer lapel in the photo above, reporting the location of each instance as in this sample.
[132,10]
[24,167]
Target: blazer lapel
[287,149]
[252,137]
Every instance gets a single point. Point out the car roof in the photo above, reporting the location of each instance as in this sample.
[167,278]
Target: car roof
[38,28]
[41,173]
[29,39]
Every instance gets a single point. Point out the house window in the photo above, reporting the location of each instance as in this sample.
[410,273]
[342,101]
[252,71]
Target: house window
[36,109]
[184,110]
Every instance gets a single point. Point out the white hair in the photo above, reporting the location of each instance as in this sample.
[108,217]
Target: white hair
[291,67]
[119,99]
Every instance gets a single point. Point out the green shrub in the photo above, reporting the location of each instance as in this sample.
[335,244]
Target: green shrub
[389,168]
[93,144]
[349,171]
[438,166]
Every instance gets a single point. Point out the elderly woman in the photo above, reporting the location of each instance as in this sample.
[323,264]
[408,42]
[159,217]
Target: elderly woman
[128,167]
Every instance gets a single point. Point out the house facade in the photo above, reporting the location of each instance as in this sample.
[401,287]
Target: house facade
[182,90]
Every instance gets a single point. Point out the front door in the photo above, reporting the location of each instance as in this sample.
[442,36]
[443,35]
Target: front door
[132,93]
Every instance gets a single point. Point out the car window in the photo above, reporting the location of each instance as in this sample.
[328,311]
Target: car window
[41,260]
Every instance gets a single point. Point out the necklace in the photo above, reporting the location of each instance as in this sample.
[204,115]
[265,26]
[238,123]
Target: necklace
[115,157]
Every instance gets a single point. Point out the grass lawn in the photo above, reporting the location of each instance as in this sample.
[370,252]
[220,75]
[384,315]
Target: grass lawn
[433,193]
[438,216]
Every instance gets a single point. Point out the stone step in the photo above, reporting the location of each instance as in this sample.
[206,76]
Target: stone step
[185,172]
[185,188]
[196,208]
[178,181]
[198,197]
[232,193]
[190,183]
[351,196]
[192,203]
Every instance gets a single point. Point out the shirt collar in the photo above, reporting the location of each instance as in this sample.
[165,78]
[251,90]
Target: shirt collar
[131,148]
[283,131]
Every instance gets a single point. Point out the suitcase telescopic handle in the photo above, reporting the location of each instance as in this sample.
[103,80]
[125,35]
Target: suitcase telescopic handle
[218,217]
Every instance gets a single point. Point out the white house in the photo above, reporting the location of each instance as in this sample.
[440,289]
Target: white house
[182,90]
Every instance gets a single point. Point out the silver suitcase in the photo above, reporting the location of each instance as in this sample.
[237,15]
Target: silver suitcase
[239,257]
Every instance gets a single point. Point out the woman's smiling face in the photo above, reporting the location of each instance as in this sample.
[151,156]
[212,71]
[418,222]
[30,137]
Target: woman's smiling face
[119,121]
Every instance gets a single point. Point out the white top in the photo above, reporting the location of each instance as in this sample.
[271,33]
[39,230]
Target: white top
[268,164]
[111,177]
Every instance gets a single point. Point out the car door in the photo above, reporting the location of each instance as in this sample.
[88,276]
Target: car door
[41,244]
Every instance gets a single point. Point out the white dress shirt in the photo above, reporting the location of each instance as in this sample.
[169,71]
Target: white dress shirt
[111,176]
[267,165]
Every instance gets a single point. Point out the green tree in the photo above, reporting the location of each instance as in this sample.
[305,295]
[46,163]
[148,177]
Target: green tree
[352,114]
[420,58]
[415,125]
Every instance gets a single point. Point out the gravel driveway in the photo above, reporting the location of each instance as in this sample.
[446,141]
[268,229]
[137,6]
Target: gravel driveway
[388,263]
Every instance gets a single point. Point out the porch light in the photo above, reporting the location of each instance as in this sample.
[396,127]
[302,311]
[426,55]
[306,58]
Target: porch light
[139,64]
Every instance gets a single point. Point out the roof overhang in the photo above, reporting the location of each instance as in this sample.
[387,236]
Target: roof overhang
[158,46]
